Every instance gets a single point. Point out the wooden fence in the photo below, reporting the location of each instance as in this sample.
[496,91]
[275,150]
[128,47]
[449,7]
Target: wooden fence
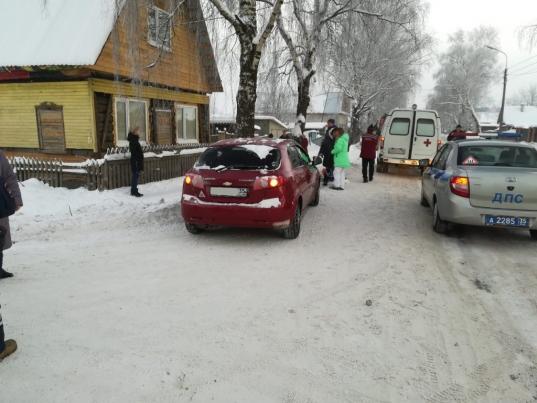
[50,172]
[113,171]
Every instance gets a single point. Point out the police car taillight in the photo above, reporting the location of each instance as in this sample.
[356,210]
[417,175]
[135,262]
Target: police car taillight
[460,185]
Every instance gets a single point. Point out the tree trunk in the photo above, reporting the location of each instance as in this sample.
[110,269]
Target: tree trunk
[304,98]
[355,124]
[247,93]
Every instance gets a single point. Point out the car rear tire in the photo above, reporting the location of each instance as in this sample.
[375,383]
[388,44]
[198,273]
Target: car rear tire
[193,229]
[533,234]
[317,198]
[423,201]
[439,226]
[293,230]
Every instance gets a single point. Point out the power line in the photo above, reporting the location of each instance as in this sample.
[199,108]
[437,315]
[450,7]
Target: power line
[523,61]
[521,69]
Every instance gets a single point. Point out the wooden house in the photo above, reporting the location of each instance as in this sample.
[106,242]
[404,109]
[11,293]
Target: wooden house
[75,76]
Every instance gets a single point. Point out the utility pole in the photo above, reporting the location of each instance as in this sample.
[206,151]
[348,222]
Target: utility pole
[501,120]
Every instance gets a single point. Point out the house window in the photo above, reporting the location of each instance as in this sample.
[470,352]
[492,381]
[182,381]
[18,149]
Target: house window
[186,123]
[159,32]
[130,113]
[50,128]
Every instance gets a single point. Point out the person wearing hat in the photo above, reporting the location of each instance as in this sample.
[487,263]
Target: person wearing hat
[457,134]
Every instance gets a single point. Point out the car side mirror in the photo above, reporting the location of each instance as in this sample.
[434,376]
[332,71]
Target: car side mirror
[317,161]
[425,163]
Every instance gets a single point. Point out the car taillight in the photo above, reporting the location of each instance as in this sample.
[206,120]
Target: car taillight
[460,185]
[194,180]
[268,182]
[438,144]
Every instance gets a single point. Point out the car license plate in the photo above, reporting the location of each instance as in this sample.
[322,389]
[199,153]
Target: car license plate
[507,221]
[229,192]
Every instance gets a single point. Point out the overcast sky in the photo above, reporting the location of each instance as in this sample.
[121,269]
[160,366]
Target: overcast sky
[447,16]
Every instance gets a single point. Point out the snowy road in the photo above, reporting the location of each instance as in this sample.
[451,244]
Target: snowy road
[118,303]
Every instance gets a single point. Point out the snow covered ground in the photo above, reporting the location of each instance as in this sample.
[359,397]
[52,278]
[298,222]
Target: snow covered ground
[114,301]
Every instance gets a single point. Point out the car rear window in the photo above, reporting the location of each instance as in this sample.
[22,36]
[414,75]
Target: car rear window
[400,126]
[240,157]
[495,155]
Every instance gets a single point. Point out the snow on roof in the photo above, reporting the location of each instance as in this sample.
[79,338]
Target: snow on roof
[55,32]
[330,102]
[231,120]
[315,125]
[515,115]
[521,117]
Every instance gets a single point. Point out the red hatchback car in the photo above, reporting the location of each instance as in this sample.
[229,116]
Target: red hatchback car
[254,183]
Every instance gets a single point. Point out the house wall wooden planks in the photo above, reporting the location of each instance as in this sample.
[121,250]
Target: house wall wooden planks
[138,91]
[129,56]
[18,119]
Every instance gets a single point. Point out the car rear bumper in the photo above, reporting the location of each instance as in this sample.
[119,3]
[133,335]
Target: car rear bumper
[200,213]
[396,161]
[458,210]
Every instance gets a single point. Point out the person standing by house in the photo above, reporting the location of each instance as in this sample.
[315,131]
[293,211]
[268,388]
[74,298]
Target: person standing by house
[326,151]
[341,158]
[137,160]
[457,134]
[368,154]
[9,182]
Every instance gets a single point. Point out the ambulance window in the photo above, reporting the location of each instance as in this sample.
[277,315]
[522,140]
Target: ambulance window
[400,126]
[425,128]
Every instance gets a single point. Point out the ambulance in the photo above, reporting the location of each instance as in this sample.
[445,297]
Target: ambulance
[409,137]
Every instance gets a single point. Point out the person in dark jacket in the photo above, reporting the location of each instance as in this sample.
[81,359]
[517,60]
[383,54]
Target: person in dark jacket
[368,153]
[137,160]
[457,134]
[12,187]
[326,151]
[7,347]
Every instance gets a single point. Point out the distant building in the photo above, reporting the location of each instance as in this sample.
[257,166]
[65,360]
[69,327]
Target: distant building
[521,119]
[335,105]
[264,124]
[75,76]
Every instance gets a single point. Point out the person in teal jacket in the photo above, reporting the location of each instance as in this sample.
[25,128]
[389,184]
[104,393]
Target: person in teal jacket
[341,158]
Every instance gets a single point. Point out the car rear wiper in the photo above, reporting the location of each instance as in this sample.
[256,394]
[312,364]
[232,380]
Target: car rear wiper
[502,164]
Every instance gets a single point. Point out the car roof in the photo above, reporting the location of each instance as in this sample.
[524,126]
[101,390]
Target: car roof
[492,143]
[251,141]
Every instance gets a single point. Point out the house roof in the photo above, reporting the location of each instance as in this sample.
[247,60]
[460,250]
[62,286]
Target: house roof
[55,32]
[231,120]
[327,103]
[515,115]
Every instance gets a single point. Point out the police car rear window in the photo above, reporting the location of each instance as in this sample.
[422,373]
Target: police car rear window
[400,127]
[494,155]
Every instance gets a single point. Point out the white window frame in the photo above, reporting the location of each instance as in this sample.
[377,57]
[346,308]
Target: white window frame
[122,143]
[180,107]
[155,42]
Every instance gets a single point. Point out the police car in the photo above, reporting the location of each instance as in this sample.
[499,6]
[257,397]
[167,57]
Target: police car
[487,183]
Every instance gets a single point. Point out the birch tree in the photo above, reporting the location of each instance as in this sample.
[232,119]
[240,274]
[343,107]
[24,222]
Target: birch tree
[253,22]
[376,61]
[467,70]
[312,24]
